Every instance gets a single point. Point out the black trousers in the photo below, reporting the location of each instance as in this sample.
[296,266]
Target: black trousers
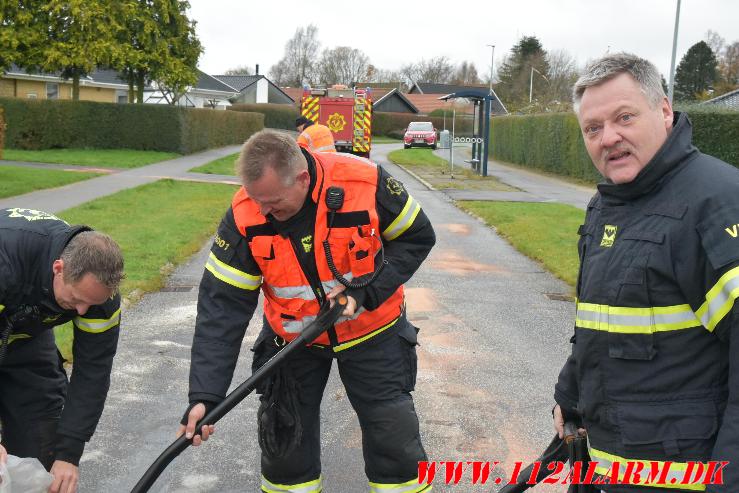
[378,377]
[32,391]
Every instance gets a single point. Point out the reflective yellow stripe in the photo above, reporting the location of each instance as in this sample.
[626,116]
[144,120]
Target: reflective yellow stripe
[677,470]
[627,320]
[315,486]
[15,337]
[2,307]
[720,299]
[97,325]
[411,486]
[403,221]
[354,342]
[232,276]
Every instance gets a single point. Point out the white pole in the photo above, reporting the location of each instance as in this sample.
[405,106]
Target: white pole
[451,145]
[671,88]
[531,83]
[492,65]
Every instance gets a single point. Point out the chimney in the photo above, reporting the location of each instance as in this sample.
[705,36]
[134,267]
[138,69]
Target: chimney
[257,69]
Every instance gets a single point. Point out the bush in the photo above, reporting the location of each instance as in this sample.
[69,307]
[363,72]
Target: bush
[394,124]
[275,115]
[2,133]
[553,142]
[47,124]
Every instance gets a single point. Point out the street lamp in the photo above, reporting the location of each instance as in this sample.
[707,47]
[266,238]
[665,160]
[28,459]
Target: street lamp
[492,65]
[531,81]
[670,90]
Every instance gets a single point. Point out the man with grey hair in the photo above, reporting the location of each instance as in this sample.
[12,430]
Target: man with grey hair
[305,227]
[654,371]
[52,273]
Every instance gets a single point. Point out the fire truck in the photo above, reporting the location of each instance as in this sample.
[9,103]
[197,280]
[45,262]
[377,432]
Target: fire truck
[346,112]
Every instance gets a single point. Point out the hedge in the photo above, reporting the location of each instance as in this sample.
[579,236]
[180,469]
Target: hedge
[2,133]
[275,115]
[553,142]
[394,124]
[47,124]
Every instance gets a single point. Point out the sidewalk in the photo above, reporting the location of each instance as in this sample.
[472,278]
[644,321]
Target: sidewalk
[58,199]
[534,187]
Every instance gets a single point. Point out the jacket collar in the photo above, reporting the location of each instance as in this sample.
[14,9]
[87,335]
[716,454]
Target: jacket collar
[675,150]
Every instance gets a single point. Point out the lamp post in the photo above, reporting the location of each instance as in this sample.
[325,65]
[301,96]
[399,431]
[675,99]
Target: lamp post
[531,81]
[492,65]
[671,88]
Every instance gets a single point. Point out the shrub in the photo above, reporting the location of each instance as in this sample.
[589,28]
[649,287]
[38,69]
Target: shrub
[275,115]
[2,133]
[394,124]
[47,124]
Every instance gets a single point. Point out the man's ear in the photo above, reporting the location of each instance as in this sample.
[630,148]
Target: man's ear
[303,177]
[667,113]
[58,266]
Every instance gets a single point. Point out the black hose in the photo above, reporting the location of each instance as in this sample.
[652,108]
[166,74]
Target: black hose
[326,318]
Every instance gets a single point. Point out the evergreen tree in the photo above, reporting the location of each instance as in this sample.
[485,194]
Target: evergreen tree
[696,72]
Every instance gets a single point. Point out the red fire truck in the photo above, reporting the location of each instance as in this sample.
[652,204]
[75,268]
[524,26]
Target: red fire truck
[346,112]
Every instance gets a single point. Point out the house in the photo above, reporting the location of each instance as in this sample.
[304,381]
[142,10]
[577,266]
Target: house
[255,89]
[729,100]
[208,92]
[101,85]
[392,101]
[425,96]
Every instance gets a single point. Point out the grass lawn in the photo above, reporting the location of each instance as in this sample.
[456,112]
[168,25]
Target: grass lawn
[381,139]
[221,166]
[546,232]
[104,158]
[436,171]
[164,223]
[17,180]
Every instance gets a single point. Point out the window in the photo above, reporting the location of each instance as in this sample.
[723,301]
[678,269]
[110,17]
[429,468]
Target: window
[31,95]
[52,90]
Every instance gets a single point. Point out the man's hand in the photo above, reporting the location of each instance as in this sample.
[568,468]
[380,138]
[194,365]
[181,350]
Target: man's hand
[196,414]
[559,421]
[66,476]
[351,303]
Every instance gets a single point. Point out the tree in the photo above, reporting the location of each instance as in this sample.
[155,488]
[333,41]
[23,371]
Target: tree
[239,70]
[298,64]
[342,65]
[561,77]
[438,70]
[729,65]
[68,36]
[466,74]
[515,73]
[696,72]
[716,42]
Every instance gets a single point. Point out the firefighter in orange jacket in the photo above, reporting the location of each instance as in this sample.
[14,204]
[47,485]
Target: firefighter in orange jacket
[314,136]
[293,205]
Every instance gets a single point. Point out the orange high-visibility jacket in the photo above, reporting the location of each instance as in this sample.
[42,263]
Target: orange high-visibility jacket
[290,302]
[317,138]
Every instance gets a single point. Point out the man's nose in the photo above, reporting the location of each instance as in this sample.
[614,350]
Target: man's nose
[610,136]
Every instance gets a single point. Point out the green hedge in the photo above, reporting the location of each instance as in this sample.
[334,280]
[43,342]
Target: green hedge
[275,115]
[553,142]
[2,133]
[394,124]
[47,124]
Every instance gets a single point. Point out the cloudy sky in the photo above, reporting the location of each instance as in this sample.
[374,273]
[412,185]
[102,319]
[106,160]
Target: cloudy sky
[393,33]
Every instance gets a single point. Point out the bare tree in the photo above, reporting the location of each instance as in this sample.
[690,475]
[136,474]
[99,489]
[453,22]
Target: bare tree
[298,64]
[562,75]
[437,70]
[729,64]
[342,65]
[239,70]
[716,42]
[466,74]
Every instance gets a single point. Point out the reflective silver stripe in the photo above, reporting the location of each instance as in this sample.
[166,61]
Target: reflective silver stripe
[720,299]
[294,292]
[325,148]
[359,158]
[297,326]
[315,486]
[230,275]
[329,285]
[97,325]
[629,320]
[411,486]
[404,219]
[606,461]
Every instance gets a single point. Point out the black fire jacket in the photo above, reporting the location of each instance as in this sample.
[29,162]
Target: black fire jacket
[30,242]
[654,370]
[224,310]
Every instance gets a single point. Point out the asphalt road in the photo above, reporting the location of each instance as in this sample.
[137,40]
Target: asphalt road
[492,343]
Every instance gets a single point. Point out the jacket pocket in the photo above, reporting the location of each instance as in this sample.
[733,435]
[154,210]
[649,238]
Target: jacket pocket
[678,426]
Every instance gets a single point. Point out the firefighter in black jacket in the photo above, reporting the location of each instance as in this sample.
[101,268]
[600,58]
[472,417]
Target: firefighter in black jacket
[293,206]
[654,370]
[51,273]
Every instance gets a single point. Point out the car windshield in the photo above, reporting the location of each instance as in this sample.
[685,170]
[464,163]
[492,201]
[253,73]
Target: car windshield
[421,127]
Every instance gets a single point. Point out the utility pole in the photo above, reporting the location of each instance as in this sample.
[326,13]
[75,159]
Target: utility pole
[531,83]
[492,65]
[671,88]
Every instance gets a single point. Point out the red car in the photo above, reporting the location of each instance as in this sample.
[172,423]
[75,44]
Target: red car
[420,134]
